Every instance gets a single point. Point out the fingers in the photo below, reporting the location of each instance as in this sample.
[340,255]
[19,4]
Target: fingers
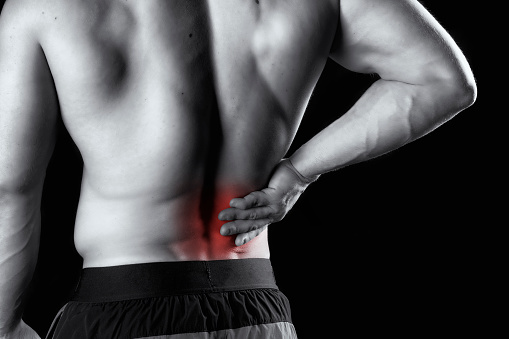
[253,199]
[255,205]
[244,238]
[251,215]
[247,214]
[243,226]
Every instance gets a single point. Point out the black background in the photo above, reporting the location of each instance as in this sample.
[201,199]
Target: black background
[395,245]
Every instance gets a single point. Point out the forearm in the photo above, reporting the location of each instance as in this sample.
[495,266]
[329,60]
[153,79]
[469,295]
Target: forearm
[19,245]
[387,116]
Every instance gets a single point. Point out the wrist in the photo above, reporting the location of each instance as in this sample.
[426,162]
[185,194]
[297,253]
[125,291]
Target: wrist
[305,179]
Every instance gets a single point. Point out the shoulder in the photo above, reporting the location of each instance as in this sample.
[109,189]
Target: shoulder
[23,10]
[26,17]
[22,23]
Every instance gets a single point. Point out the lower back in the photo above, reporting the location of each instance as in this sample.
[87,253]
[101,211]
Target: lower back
[150,229]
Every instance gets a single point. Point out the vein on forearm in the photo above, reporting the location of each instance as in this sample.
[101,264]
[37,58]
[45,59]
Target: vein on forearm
[387,116]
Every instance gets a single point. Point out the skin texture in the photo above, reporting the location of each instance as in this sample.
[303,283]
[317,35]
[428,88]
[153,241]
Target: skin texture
[183,111]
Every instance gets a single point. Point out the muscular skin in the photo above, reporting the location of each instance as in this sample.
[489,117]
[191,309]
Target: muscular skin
[178,107]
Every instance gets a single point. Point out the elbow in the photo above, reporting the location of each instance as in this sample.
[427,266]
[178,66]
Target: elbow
[442,98]
[13,189]
[452,95]
[17,203]
[465,93]
[8,193]
[460,87]
[9,188]
[451,85]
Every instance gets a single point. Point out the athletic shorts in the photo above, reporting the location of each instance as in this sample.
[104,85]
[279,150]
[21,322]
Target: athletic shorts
[177,300]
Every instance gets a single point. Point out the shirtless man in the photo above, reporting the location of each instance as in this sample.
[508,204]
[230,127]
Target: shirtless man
[177,108]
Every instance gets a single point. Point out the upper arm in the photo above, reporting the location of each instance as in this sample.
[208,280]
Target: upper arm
[28,102]
[399,40]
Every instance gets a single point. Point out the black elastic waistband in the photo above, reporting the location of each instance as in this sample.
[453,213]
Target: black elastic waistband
[159,279]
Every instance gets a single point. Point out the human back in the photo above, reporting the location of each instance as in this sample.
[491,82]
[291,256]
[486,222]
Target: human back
[177,107]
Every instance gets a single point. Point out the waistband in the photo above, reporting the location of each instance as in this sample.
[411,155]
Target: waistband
[160,279]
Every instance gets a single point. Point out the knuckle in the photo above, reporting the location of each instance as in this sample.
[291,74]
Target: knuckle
[232,229]
[236,203]
[253,198]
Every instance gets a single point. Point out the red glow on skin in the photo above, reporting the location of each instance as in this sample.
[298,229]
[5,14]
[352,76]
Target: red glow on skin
[205,241]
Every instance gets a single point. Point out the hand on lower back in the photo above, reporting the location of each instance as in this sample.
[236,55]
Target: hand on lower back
[250,215]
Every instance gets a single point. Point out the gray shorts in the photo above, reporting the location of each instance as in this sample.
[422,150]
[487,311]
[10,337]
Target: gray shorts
[178,300]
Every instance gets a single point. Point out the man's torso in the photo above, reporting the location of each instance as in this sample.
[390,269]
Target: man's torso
[177,107]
